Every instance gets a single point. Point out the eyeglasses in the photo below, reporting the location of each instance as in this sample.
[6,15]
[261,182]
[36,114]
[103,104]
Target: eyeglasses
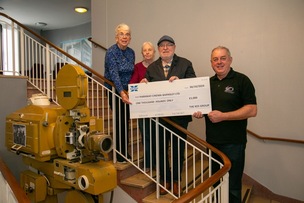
[166,45]
[122,35]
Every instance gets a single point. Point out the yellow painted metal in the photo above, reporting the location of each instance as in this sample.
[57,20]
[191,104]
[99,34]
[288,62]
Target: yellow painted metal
[64,143]
[51,199]
[71,87]
[93,178]
[47,168]
[77,196]
[34,185]
[30,130]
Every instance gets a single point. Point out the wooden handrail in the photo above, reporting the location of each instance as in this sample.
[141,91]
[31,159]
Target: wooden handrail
[274,138]
[96,44]
[14,185]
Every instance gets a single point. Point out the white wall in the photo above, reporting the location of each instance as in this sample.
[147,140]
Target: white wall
[68,34]
[266,39]
[14,97]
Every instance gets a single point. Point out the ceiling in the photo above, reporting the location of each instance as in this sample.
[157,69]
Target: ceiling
[57,14]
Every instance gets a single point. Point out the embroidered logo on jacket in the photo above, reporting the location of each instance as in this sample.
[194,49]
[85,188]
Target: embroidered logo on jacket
[229,90]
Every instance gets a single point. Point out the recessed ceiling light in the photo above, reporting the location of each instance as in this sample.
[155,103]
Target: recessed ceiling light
[41,24]
[81,9]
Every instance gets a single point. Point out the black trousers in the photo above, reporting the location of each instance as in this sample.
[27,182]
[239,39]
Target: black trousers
[177,151]
[236,154]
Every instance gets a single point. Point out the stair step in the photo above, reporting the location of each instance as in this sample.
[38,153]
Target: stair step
[139,180]
[169,198]
[163,199]
[122,166]
[137,159]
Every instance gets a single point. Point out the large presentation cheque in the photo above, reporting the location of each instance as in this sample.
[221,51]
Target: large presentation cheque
[164,98]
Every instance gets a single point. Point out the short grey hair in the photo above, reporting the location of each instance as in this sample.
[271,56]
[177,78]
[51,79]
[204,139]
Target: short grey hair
[120,27]
[147,43]
[221,47]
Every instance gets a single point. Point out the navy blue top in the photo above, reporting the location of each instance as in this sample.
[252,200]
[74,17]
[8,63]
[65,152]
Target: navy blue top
[119,66]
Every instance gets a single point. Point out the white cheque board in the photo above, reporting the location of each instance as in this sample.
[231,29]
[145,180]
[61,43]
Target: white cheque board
[164,98]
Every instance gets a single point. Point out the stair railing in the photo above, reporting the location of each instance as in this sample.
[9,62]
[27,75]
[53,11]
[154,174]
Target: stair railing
[274,138]
[40,60]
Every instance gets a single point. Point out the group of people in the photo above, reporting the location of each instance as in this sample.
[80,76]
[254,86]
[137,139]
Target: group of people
[232,96]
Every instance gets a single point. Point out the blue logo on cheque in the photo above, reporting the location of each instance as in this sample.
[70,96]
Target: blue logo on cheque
[133,88]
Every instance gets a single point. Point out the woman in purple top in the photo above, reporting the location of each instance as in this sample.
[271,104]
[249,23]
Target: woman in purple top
[148,53]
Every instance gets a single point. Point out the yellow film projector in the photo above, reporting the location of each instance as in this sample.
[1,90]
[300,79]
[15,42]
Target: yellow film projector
[63,145]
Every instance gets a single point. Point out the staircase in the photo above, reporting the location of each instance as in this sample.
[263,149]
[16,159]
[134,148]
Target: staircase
[40,60]
[139,184]
[50,57]
[143,190]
